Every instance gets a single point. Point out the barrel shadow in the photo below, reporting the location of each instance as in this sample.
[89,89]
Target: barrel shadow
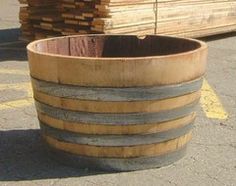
[23,157]
[218,36]
[10,46]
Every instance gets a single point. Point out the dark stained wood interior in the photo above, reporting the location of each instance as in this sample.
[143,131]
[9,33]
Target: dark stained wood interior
[116,46]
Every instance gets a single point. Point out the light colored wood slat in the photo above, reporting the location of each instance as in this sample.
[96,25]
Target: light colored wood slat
[109,72]
[120,152]
[117,107]
[89,128]
[140,17]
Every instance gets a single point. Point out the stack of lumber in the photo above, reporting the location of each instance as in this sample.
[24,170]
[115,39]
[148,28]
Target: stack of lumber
[109,16]
[126,17]
[78,16]
[40,19]
[187,18]
[196,18]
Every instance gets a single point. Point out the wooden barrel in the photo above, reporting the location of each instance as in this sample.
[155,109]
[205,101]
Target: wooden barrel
[116,102]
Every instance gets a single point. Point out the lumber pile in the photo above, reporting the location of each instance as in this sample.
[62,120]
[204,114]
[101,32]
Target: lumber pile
[40,19]
[188,18]
[78,16]
[125,17]
[196,18]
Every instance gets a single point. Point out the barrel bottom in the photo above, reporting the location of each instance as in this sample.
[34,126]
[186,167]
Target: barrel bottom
[116,164]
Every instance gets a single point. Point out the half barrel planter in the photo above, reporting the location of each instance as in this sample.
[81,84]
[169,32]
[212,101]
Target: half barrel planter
[116,102]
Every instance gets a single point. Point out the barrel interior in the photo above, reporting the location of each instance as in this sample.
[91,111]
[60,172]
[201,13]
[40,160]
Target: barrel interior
[116,46]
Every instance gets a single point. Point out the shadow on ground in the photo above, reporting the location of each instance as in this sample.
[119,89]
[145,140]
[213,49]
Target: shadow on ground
[23,157]
[218,37]
[10,46]
[13,49]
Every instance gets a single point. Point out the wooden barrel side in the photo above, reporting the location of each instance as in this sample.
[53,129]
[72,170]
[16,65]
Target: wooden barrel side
[117,164]
[154,149]
[117,114]
[95,129]
[129,132]
[118,72]
[117,100]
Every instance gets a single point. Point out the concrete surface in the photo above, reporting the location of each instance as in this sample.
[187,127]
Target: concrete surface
[211,158]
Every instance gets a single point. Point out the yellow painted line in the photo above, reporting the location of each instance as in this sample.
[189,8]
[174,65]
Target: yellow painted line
[25,86]
[20,103]
[18,86]
[14,71]
[16,104]
[211,104]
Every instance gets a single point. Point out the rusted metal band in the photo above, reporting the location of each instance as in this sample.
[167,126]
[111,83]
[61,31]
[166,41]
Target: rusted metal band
[115,119]
[114,140]
[116,94]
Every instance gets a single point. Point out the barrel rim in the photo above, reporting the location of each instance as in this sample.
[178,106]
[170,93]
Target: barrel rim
[203,46]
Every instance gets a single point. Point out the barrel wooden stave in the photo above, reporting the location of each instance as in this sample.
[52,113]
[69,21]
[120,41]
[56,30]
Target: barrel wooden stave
[116,94]
[116,113]
[117,107]
[115,140]
[108,71]
[117,164]
[114,118]
[98,73]
[120,151]
[89,128]
[153,102]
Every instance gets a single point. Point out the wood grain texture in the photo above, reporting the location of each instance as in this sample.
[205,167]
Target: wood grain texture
[118,72]
[187,18]
[116,118]
[120,152]
[117,100]
[114,140]
[89,128]
[117,107]
[195,18]
[117,164]
[116,94]
[40,19]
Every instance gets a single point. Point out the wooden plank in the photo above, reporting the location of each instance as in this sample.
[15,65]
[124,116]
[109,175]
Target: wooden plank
[109,71]
[89,128]
[188,18]
[120,152]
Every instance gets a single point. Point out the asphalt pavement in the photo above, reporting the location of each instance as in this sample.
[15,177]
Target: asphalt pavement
[211,157]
